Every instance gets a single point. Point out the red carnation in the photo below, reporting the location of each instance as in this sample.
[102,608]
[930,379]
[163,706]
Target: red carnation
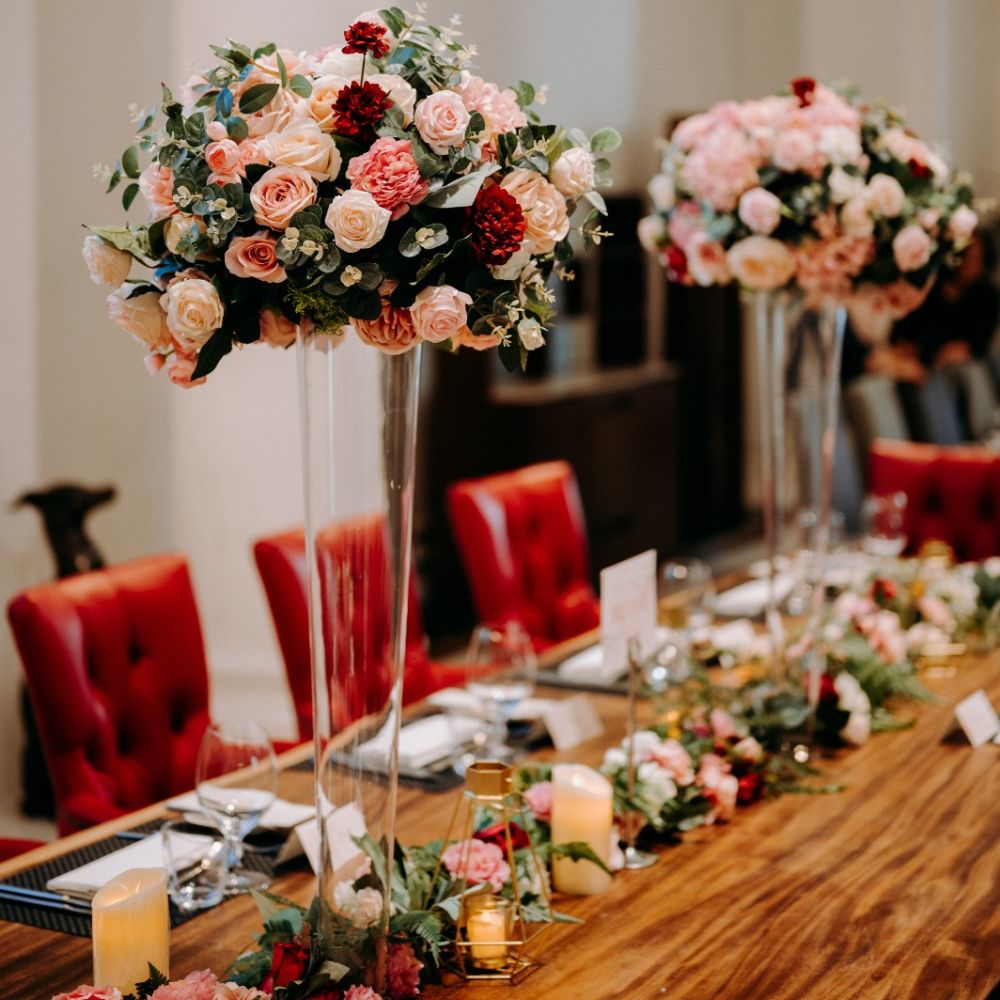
[883,590]
[359,107]
[919,170]
[803,88]
[497,225]
[366,36]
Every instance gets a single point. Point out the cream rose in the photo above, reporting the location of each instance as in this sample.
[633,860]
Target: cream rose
[284,108]
[760,211]
[530,334]
[441,120]
[885,196]
[320,102]
[573,173]
[402,95]
[439,312]
[652,231]
[107,264]
[840,144]
[140,316]
[855,217]
[661,190]
[911,248]
[845,186]
[180,226]
[156,185]
[280,193]
[761,263]
[194,310]
[357,220]
[303,144]
[546,221]
[337,62]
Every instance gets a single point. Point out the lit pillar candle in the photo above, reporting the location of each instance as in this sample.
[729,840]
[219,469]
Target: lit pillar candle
[131,928]
[487,930]
[581,811]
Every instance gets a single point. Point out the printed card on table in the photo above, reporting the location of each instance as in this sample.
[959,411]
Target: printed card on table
[628,610]
[978,718]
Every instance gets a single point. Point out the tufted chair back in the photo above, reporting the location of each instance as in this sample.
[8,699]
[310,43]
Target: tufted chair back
[875,411]
[977,397]
[115,666]
[952,493]
[523,542]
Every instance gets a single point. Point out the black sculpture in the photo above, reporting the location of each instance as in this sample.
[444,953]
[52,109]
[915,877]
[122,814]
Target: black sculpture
[64,507]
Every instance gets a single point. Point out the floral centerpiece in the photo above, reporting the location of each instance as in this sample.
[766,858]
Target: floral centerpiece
[378,184]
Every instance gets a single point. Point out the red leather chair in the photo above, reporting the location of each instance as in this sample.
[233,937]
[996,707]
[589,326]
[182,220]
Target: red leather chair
[115,666]
[953,493]
[11,847]
[523,541]
[355,547]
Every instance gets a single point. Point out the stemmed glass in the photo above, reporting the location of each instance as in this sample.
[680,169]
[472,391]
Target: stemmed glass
[884,520]
[686,596]
[505,668]
[236,780]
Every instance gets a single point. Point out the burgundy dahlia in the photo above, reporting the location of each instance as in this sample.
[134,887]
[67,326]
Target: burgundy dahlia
[803,88]
[921,171]
[497,225]
[366,36]
[359,107]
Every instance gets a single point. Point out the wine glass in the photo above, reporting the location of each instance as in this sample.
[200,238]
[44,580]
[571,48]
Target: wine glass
[884,519]
[236,779]
[686,595]
[505,667]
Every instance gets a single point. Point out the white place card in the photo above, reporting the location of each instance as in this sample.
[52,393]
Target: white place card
[572,721]
[978,718]
[342,826]
[628,610]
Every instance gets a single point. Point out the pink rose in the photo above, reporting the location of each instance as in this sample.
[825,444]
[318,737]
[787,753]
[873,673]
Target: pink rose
[280,193]
[441,120]
[719,785]
[439,312]
[154,362]
[361,993]
[672,757]
[962,225]
[761,263]
[539,800]
[476,862]
[403,971]
[706,261]
[499,108]
[934,610]
[760,211]
[255,257]
[389,173]
[284,108]
[749,749]
[794,150]
[546,220]
[885,196]
[91,993]
[193,308]
[140,316]
[182,368]
[223,158]
[303,144]
[250,152]
[393,332]
[216,131]
[722,724]
[156,185]
[911,248]
[107,264]
[196,986]
[275,329]
[573,172]
[722,167]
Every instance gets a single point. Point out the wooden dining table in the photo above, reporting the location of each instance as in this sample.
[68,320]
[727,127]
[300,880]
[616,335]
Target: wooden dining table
[888,889]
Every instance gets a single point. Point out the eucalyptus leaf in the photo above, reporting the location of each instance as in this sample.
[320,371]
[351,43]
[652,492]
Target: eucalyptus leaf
[224,102]
[461,193]
[258,96]
[597,201]
[300,85]
[128,196]
[605,140]
[236,127]
[282,71]
[130,162]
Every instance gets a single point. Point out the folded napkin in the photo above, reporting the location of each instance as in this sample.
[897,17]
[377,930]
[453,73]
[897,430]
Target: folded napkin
[281,815]
[750,598]
[148,853]
[588,667]
[457,700]
[421,743]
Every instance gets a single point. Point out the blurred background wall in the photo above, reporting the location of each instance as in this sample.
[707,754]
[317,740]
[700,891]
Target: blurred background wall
[204,472]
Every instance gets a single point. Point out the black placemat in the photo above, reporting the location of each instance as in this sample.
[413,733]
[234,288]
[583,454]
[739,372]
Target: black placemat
[78,924]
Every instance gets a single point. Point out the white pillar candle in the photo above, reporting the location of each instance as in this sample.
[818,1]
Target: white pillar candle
[487,932]
[581,811]
[131,928]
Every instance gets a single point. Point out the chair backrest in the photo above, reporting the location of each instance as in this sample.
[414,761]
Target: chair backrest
[953,494]
[523,541]
[977,397]
[874,409]
[354,589]
[115,666]
[936,410]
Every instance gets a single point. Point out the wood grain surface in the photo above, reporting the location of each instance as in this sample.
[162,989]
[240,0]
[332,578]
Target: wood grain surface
[887,890]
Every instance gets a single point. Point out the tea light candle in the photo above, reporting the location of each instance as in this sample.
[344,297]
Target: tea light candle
[131,928]
[581,811]
[486,927]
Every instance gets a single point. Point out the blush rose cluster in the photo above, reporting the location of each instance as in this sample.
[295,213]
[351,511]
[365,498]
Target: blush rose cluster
[378,184]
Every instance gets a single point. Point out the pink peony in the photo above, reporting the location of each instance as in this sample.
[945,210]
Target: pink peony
[911,248]
[156,184]
[761,263]
[499,108]
[476,862]
[389,173]
[255,257]
[760,211]
[672,757]
[196,986]
[721,168]
[279,193]
[539,800]
[403,971]
[393,332]
[91,993]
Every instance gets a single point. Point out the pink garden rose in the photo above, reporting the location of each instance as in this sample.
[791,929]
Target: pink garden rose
[393,332]
[911,248]
[403,970]
[389,173]
[91,993]
[499,108]
[760,211]
[441,120]
[255,257]
[539,800]
[156,185]
[722,724]
[224,160]
[794,150]
[719,785]
[856,218]
[885,196]
[140,316]
[280,193]
[195,986]
[182,366]
[761,263]
[107,264]
[722,167]
[439,312]
[573,173]
[275,329]
[193,309]
[477,862]
[361,993]
[672,757]
[546,220]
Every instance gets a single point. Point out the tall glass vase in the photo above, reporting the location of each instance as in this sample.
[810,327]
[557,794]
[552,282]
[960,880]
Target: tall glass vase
[798,346]
[359,420]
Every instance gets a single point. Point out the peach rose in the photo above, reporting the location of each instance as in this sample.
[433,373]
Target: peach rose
[477,341]
[856,219]
[303,144]
[573,173]
[911,248]
[389,173]
[284,108]
[439,312]
[280,193]
[255,257]
[140,316]
[223,158]
[275,329]
[962,225]
[441,120]
[885,196]
[402,95]
[358,221]
[393,332]
[761,263]
[91,993]
[107,264]
[546,221]
[706,260]
[194,309]
[760,211]
[156,185]
[320,102]
[216,131]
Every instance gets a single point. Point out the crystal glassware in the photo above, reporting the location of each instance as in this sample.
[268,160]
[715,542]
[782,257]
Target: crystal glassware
[884,520]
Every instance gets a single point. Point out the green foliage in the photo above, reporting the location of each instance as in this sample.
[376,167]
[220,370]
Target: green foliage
[256,97]
[148,986]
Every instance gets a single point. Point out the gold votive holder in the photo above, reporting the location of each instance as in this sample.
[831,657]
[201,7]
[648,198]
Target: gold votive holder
[488,931]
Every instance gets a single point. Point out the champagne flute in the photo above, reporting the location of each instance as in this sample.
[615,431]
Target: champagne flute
[236,780]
